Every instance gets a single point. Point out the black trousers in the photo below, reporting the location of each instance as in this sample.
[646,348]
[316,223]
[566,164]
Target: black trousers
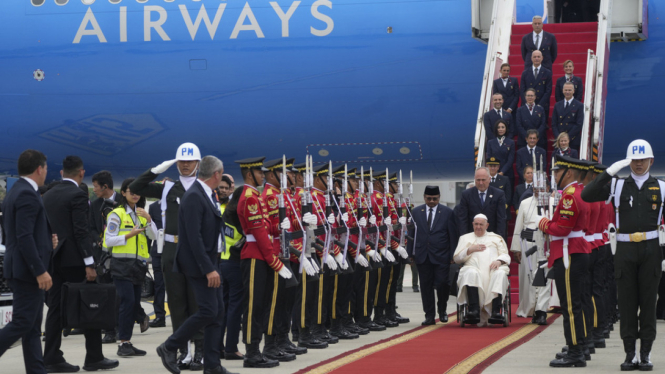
[257,278]
[93,338]
[414,274]
[365,283]
[637,268]
[434,277]
[660,305]
[324,297]
[208,317]
[305,304]
[182,302]
[160,288]
[598,289]
[570,286]
[274,321]
[290,298]
[341,297]
[391,290]
[129,296]
[26,324]
[611,285]
[233,295]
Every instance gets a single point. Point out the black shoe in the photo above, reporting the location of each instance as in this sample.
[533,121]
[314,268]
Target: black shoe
[628,364]
[383,321]
[272,351]
[158,322]
[472,315]
[76,332]
[287,346]
[587,357]
[645,355]
[568,361]
[344,334]
[232,356]
[169,359]
[323,335]
[104,364]
[308,340]
[371,326]
[416,289]
[197,360]
[428,322]
[443,317]
[398,289]
[254,358]
[63,367]
[109,338]
[217,370]
[401,319]
[357,329]
[145,324]
[540,318]
[126,349]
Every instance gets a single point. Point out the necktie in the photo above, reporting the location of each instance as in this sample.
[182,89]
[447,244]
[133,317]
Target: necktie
[531,152]
[535,73]
[482,198]
[528,186]
[530,107]
[429,217]
[565,105]
[498,111]
[493,179]
[537,41]
[567,79]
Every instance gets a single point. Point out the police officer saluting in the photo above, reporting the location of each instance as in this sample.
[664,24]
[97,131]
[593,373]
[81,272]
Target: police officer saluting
[638,202]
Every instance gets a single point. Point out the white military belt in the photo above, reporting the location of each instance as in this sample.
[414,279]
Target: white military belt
[573,234]
[171,238]
[598,236]
[637,237]
[589,238]
[250,238]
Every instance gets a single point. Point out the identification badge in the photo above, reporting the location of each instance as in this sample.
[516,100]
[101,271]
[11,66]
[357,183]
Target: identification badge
[653,206]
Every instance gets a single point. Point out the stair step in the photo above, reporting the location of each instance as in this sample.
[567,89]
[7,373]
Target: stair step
[558,27]
[515,49]
[563,37]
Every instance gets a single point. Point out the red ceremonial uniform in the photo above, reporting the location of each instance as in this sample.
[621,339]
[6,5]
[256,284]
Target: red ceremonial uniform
[594,211]
[377,210]
[569,219]
[271,197]
[392,205]
[293,213]
[351,209]
[318,209]
[253,216]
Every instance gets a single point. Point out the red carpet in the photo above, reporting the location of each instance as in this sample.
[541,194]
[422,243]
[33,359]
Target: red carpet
[434,349]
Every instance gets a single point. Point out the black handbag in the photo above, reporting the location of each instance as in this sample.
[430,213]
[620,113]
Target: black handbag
[103,268]
[88,306]
[148,288]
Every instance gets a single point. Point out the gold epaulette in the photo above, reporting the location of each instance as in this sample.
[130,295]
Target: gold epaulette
[250,192]
[570,190]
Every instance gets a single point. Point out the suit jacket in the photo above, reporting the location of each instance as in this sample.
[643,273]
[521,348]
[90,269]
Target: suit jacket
[503,183]
[68,211]
[494,208]
[531,121]
[568,152]
[542,85]
[510,92]
[524,159]
[27,234]
[569,120]
[520,191]
[505,153]
[548,47]
[155,211]
[143,186]
[436,244]
[200,226]
[579,88]
[489,119]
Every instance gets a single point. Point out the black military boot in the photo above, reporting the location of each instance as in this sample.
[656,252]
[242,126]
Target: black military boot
[645,355]
[197,360]
[272,351]
[307,340]
[540,318]
[598,338]
[573,358]
[630,363]
[287,346]
[349,325]
[473,313]
[320,332]
[564,350]
[338,330]
[182,365]
[254,358]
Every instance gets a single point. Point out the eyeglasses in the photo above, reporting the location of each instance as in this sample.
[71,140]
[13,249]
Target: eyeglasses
[432,198]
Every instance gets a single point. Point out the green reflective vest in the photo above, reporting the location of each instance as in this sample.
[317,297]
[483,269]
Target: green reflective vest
[135,247]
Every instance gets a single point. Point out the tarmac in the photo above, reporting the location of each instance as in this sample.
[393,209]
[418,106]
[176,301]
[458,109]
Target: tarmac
[534,355]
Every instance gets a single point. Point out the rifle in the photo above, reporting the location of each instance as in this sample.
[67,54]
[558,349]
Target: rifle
[282,212]
[362,231]
[375,229]
[309,237]
[343,232]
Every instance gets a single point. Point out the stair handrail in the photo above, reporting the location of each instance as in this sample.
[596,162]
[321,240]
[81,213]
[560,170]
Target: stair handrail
[602,68]
[498,49]
[589,102]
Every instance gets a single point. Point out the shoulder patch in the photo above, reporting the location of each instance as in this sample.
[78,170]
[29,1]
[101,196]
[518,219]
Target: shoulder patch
[570,190]
[654,188]
[248,192]
[269,192]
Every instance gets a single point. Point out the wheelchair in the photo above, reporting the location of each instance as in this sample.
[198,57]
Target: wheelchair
[506,311]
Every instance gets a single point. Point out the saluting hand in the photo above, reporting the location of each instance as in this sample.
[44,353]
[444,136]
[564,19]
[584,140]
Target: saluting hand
[213,279]
[45,282]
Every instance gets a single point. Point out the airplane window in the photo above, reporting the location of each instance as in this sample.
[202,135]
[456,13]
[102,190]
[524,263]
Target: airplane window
[61,2]
[115,1]
[141,1]
[87,2]
[37,2]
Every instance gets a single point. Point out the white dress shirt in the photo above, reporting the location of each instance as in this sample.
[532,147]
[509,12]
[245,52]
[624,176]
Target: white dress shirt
[32,183]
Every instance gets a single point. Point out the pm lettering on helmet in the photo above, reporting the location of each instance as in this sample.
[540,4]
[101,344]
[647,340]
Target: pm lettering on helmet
[187,151]
[638,149]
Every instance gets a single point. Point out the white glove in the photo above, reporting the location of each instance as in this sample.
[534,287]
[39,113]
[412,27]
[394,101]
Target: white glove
[402,221]
[371,253]
[362,222]
[372,220]
[377,256]
[345,217]
[285,273]
[389,256]
[402,252]
[309,219]
[662,265]
[362,261]
[330,261]
[410,220]
[614,169]
[387,221]
[309,269]
[331,218]
[285,225]
[164,166]
[340,260]
[538,218]
[314,266]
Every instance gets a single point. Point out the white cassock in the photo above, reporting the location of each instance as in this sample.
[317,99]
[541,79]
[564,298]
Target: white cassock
[531,298]
[476,270]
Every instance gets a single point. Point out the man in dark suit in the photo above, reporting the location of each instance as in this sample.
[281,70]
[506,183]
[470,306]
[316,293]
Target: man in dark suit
[155,211]
[201,228]
[568,68]
[433,228]
[68,211]
[539,78]
[568,116]
[525,155]
[539,40]
[523,187]
[509,88]
[531,116]
[496,113]
[499,181]
[28,252]
[484,199]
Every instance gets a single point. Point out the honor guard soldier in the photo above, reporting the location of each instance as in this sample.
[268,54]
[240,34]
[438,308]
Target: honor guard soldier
[569,257]
[182,303]
[638,201]
[399,251]
[258,261]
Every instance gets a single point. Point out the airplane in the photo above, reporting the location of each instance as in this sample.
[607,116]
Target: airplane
[122,83]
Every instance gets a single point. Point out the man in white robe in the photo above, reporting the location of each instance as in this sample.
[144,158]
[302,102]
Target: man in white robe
[534,301]
[484,277]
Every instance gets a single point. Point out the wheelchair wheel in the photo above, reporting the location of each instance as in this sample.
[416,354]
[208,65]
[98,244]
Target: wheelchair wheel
[461,314]
[506,310]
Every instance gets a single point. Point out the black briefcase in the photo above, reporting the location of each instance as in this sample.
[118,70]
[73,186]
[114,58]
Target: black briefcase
[88,306]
